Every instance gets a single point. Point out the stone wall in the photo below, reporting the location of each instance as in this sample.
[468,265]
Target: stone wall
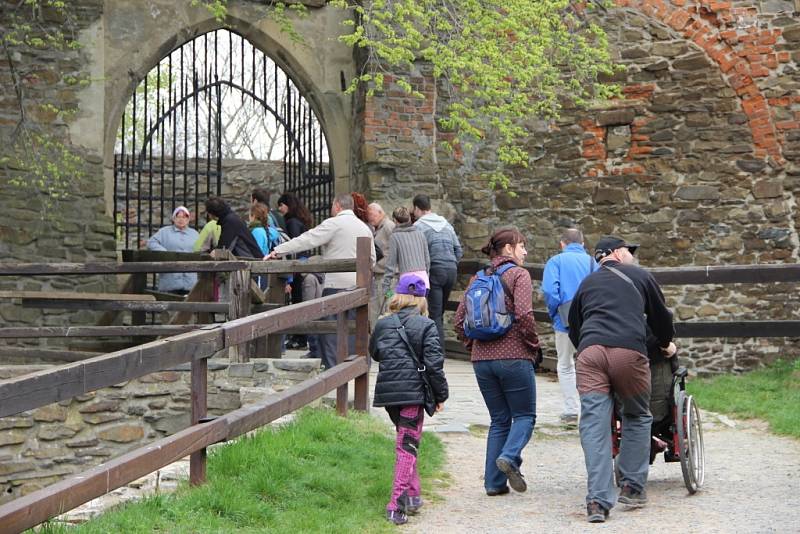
[40,447]
[699,161]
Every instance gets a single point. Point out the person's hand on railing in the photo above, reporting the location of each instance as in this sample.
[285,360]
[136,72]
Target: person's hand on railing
[272,256]
[670,350]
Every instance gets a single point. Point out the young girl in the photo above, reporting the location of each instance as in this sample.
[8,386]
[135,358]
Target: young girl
[406,344]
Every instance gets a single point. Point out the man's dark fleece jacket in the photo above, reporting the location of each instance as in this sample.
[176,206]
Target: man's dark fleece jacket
[609,311]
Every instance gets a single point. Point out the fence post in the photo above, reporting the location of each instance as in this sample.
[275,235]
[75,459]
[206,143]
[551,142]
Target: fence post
[342,331]
[239,306]
[197,460]
[273,344]
[363,280]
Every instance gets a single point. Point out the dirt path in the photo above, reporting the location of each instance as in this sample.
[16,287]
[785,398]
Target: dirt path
[752,485]
[752,477]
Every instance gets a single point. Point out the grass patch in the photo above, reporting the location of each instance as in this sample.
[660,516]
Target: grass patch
[320,473]
[772,394]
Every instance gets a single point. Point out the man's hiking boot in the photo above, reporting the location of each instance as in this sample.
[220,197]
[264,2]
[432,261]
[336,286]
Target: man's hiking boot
[632,497]
[569,419]
[595,513]
[494,492]
[397,517]
[515,478]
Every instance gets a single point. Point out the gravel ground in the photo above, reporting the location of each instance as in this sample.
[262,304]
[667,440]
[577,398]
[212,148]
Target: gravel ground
[752,485]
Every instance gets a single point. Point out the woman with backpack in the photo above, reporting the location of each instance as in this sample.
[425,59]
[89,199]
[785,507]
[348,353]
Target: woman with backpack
[410,382]
[504,355]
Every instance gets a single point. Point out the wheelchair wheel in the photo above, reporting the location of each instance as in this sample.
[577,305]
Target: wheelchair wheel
[690,442]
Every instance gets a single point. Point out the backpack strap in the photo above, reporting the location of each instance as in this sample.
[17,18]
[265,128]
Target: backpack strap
[500,271]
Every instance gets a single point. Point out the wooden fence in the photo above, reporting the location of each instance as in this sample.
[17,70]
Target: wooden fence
[672,276]
[196,346]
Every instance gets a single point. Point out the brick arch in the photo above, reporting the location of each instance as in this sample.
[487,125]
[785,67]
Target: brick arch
[699,23]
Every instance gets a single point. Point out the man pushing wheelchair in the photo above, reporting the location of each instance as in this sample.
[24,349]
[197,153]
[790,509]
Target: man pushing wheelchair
[608,323]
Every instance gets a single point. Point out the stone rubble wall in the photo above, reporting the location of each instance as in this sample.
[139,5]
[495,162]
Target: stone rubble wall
[699,161]
[42,446]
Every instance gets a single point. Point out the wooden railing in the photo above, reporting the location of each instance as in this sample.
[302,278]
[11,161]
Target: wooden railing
[64,382]
[696,275]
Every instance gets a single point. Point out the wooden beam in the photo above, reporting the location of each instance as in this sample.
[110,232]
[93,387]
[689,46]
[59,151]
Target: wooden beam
[96,331]
[47,355]
[73,295]
[341,355]
[727,274]
[38,269]
[363,280]
[32,509]
[66,381]
[197,460]
[138,256]
[690,275]
[238,306]
[133,306]
[300,266]
[203,291]
[738,329]
[269,322]
[251,417]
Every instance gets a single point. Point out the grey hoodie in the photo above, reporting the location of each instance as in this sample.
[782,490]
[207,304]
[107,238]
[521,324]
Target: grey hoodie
[443,245]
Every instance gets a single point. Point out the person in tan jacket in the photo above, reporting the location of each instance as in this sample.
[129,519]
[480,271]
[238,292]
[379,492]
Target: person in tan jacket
[337,237]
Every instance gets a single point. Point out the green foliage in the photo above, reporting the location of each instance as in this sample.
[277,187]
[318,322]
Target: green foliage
[278,11]
[505,62]
[320,473]
[37,159]
[772,394]
[44,165]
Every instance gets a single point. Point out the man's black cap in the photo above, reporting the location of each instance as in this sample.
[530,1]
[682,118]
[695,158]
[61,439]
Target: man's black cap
[609,244]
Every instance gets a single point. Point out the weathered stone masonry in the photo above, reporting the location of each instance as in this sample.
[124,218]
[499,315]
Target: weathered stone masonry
[44,445]
[699,161]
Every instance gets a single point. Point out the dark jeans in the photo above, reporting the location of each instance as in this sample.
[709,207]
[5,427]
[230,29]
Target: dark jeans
[327,342]
[509,391]
[442,281]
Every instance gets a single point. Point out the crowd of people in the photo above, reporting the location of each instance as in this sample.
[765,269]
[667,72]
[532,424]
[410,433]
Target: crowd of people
[609,317]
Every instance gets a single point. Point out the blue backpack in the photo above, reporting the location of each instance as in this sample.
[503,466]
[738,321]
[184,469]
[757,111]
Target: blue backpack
[485,303]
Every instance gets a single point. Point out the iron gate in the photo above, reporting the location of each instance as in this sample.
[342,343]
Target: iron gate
[207,101]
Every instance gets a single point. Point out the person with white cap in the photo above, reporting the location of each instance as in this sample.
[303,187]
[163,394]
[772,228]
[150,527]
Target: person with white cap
[177,237]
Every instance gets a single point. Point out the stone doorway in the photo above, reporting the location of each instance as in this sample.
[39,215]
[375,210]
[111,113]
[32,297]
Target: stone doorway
[215,116]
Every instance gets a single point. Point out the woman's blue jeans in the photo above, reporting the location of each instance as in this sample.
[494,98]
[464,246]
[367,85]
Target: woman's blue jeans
[509,391]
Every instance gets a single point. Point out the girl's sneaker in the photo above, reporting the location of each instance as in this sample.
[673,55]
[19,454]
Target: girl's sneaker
[414,504]
[397,517]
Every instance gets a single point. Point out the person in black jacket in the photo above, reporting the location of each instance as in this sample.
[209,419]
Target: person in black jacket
[235,235]
[406,345]
[298,220]
[609,320]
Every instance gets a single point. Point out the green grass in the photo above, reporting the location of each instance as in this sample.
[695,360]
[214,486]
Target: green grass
[772,394]
[320,473]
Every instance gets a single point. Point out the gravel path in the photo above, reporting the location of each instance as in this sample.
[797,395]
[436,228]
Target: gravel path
[752,479]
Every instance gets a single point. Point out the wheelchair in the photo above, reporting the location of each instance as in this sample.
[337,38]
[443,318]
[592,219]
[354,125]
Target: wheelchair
[679,435]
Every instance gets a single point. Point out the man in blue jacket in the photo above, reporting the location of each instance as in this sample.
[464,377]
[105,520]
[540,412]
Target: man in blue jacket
[563,273]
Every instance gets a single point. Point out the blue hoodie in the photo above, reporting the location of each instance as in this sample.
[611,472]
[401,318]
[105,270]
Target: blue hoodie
[563,273]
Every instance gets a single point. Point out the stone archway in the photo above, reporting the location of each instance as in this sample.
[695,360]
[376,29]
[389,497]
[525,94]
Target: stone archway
[136,39]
